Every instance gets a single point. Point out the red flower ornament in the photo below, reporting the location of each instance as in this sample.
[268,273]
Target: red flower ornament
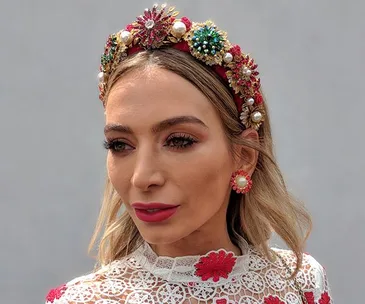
[215,265]
[187,23]
[223,300]
[273,300]
[243,78]
[153,26]
[325,298]
[258,98]
[56,293]
[309,296]
[235,50]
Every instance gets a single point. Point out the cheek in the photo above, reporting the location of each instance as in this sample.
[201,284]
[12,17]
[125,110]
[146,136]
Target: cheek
[117,177]
[206,178]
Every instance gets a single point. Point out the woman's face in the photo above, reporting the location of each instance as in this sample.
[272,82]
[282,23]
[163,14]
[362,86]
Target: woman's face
[169,158]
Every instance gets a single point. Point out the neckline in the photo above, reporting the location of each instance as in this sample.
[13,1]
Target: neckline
[216,267]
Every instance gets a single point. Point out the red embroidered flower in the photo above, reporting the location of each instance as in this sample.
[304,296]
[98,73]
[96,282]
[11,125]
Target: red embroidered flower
[273,300]
[243,76]
[235,50]
[258,98]
[187,23]
[56,293]
[245,71]
[215,265]
[309,296]
[152,28]
[325,298]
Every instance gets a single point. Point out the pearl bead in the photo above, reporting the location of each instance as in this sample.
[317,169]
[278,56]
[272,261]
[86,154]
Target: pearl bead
[228,58]
[250,101]
[125,37]
[101,77]
[246,71]
[241,181]
[256,116]
[178,29]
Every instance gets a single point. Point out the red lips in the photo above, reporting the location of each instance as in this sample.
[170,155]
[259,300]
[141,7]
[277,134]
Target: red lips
[154,212]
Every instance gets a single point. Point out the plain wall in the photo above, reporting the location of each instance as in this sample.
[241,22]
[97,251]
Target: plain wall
[52,165]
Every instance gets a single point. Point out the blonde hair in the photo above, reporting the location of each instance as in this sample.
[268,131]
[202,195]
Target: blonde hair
[254,216]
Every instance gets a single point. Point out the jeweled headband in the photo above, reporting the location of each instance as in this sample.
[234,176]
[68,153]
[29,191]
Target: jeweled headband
[159,27]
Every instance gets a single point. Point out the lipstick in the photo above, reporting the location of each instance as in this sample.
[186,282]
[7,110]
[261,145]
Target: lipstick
[154,212]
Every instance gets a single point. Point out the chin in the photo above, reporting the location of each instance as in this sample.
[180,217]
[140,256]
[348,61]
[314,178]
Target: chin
[159,237]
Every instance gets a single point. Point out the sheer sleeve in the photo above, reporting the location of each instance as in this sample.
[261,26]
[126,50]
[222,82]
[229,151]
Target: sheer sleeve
[311,278]
[318,291]
[78,290]
[56,295]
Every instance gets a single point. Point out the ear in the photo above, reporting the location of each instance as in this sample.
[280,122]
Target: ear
[247,159]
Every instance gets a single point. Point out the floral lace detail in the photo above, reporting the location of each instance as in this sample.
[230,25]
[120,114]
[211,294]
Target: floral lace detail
[215,265]
[143,277]
[56,293]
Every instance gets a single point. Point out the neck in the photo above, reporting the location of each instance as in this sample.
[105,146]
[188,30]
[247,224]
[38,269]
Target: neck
[199,242]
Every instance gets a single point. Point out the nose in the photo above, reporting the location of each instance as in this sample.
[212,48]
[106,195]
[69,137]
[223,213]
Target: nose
[147,171]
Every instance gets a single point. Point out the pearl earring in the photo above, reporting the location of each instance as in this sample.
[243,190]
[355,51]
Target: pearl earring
[241,181]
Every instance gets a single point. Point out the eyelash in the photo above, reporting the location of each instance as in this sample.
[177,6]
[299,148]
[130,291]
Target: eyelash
[185,141]
[111,145]
[188,139]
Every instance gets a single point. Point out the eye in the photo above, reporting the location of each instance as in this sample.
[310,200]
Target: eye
[180,141]
[116,146]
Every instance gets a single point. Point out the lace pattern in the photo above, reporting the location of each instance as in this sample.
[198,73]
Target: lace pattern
[144,277]
[181,269]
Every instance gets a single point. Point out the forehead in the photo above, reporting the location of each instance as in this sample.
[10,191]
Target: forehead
[155,94]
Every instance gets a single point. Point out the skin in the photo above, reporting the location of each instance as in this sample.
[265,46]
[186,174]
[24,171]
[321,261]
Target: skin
[156,165]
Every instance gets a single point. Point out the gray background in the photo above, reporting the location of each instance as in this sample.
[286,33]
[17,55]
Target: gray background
[311,58]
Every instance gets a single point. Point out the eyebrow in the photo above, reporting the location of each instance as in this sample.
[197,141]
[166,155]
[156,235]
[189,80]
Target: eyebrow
[167,123]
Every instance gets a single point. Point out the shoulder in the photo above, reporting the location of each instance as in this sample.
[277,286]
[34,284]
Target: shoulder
[311,278]
[309,264]
[67,293]
[87,288]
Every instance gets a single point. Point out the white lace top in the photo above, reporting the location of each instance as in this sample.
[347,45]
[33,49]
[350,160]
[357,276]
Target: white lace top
[217,278]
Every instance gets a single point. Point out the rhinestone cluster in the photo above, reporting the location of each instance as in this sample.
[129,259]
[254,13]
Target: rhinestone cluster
[207,40]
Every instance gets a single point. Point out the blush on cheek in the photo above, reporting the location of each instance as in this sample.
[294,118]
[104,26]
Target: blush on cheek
[208,186]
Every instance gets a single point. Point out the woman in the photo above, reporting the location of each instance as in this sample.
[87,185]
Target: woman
[190,159]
